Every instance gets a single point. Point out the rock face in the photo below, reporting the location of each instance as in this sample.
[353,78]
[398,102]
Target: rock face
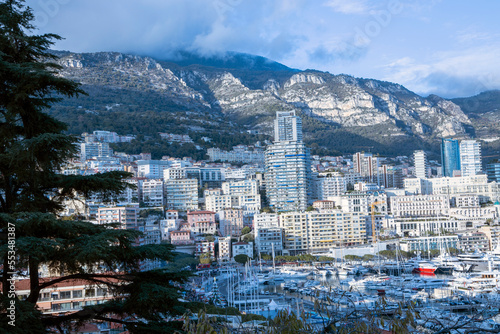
[251,98]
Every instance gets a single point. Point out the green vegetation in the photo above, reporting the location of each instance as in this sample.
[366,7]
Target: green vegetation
[205,258]
[241,258]
[33,146]
[245,230]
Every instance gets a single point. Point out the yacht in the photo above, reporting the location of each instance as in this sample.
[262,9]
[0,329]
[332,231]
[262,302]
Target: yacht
[423,267]
[479,260]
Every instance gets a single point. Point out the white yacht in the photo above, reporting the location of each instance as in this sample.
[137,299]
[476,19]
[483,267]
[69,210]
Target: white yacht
[479,260]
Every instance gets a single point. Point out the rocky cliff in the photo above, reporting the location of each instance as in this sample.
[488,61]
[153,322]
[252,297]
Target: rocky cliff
[239,99]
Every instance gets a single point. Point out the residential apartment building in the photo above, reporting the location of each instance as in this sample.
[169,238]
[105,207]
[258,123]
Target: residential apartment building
[288,166]
[330,185]
[125,216]
[420,163]
[181,194]
[367,166]
[225,249]
[203,247]
[474,241]
[230,222]
[239,154]
[95,149]
[152,192]
[450,157]
[67,296]
[181,238]
[493,171]
[476,185]
[318,231]
[268,239]
[151,169]
[202,222]
[470,158]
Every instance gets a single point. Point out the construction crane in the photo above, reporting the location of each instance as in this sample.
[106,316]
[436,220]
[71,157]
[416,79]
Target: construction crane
[374,236]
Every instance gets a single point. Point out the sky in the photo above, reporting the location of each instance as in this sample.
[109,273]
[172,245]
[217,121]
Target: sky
[450,47]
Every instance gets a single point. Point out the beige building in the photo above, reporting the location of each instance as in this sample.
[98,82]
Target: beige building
[230,222]
[318,231]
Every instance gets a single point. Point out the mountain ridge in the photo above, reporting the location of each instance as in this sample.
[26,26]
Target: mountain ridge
[240,99]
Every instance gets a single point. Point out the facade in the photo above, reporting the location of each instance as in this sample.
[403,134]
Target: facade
[240,187]
[420,206]
[470,158]
[268,239]
[367,166]
[266,220]
[288,166]
[423,226]
[268,233]
[202,222]
[466,201]
[424,244]
[245,248]
[181,194]
[330,185]
[126,216]
[450,156]
[466,185]
[203,247]
[151,169]
[67,296]
[230,222]
[225,249]
[390,177]
[420,163]
[474,241]
[94,149]
[324,205]
[174,173]
[354,202]
[287,127]
[493,171]
[318,231]
[238,154]
[152,192]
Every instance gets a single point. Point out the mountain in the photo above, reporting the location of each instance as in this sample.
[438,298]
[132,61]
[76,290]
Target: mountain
[230,98]
[484,112]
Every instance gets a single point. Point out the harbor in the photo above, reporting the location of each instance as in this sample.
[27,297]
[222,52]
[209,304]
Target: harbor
[372,291]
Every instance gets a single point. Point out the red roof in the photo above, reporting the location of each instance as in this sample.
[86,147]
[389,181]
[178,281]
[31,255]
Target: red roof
[201,212]
[24,284]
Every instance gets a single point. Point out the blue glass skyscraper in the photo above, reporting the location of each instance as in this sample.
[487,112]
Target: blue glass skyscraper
[450,156]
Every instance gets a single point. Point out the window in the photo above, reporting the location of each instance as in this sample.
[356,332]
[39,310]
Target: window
[77,294]
[65,294]
[89,293]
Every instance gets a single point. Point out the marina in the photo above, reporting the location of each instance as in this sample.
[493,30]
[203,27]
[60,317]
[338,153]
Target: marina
[329,292]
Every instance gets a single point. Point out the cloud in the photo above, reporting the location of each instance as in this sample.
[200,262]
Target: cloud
[353,37]
[449,74]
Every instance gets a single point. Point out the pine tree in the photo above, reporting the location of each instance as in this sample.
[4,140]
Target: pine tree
[33,147]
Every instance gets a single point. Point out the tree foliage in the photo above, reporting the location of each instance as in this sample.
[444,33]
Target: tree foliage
[241,258]
[33,146]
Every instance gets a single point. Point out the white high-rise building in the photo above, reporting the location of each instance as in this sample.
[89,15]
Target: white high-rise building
[94,149]
[287,127]
[181,194]
[420,160]
[288,166]
[470,157]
